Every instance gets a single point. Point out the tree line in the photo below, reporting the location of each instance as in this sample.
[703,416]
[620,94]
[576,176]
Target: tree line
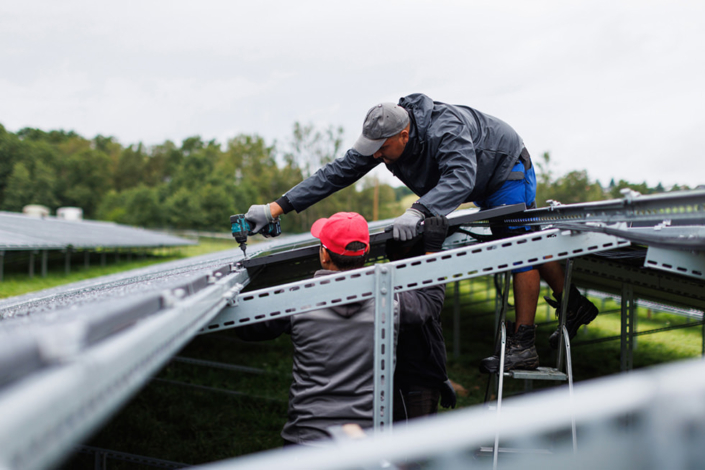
[198,184]
[195,185]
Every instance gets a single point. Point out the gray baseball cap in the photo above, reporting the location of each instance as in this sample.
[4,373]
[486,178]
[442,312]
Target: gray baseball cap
[382,122]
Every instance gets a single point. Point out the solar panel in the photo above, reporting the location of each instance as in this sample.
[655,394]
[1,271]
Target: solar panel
[20,232]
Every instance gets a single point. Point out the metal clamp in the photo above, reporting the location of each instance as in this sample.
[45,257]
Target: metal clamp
[231,294]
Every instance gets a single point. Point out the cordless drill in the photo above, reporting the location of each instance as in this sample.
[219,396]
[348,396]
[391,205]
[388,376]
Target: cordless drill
[241,229]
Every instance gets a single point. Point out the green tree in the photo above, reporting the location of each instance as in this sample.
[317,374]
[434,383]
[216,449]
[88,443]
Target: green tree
[616,190]
[9,154]
[129,170]
[162,164]
[313,148]
[216,206]
[183,210]
[575,187]
[309,150]
[84,180]
[143,207]
[20,189]
[112,207]
[572,187]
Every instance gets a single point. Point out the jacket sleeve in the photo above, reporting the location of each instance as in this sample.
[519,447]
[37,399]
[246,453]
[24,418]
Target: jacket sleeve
[336,175]
[418,306]
[457,162]
[264,331]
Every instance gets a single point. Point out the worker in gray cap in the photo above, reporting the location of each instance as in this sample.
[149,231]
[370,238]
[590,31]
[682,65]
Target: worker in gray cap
[447,155]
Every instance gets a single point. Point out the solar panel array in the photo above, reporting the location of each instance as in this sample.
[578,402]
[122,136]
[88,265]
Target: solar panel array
[19,232]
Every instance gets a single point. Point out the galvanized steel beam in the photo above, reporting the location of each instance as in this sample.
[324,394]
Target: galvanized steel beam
[57,407]
[453,265]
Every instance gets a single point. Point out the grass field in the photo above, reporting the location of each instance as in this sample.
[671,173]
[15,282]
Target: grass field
[241,413]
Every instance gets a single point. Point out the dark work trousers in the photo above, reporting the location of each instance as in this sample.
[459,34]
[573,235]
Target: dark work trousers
[418,401]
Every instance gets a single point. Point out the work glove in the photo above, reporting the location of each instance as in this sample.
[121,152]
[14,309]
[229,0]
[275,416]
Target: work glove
[259,215]
[405,226]
[435,231]
[447,395]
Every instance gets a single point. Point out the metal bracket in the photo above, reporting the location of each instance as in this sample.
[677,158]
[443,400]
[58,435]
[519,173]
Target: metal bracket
[231,295]
[687,263]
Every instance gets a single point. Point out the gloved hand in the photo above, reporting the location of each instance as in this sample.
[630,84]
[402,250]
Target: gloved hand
[405,225]
[435,231]
[259,215]
[447,395]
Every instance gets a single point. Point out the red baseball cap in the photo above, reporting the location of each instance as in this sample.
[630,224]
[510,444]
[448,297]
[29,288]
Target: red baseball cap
[337,231]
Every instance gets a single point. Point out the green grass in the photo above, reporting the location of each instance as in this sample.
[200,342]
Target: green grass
[194,426]
[18,283]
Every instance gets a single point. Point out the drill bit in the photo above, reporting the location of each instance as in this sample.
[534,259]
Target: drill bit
[243,247]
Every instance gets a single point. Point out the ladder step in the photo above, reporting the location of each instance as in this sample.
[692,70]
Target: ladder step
[542,373]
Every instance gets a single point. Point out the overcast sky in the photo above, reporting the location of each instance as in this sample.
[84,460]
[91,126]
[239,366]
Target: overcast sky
[612,87]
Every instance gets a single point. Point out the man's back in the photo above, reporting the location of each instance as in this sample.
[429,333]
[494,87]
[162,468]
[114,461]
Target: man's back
[333,370]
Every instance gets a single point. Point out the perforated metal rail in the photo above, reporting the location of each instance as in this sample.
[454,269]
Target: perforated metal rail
[684,207]
[448,266]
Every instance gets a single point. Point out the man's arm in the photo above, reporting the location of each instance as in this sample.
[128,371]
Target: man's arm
[418,306]
[336,175]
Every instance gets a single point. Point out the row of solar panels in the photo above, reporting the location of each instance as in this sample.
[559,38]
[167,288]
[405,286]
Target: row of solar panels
[19,232]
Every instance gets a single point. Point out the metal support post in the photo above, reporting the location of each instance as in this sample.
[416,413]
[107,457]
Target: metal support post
[384,349]
[100,460]
[45,258]
[2,269]
[502,348]
[627,333]
[102,259]
[67,263]
[635,326]
[86,259]
[31,264]
[117,256]
[497,305]
[564,310]
[129,255]
[569,371]
[456,320]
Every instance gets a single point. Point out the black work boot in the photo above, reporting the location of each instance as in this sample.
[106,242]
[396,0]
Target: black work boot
[580,312]
[520,352]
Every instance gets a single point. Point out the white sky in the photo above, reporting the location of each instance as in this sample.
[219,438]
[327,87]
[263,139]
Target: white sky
[614,87]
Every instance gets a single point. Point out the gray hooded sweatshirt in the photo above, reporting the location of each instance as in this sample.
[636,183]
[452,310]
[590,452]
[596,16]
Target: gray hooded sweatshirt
[333,370]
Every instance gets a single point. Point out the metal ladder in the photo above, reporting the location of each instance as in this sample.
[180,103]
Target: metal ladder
[541,373]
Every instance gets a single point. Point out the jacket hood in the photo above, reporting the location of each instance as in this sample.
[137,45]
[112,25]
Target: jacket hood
[347,310]
[421,107]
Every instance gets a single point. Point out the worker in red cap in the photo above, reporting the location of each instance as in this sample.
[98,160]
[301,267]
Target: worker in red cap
[333,367]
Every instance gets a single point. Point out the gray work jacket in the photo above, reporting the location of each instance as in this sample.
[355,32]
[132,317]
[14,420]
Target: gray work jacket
[333,370]
[455,154]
